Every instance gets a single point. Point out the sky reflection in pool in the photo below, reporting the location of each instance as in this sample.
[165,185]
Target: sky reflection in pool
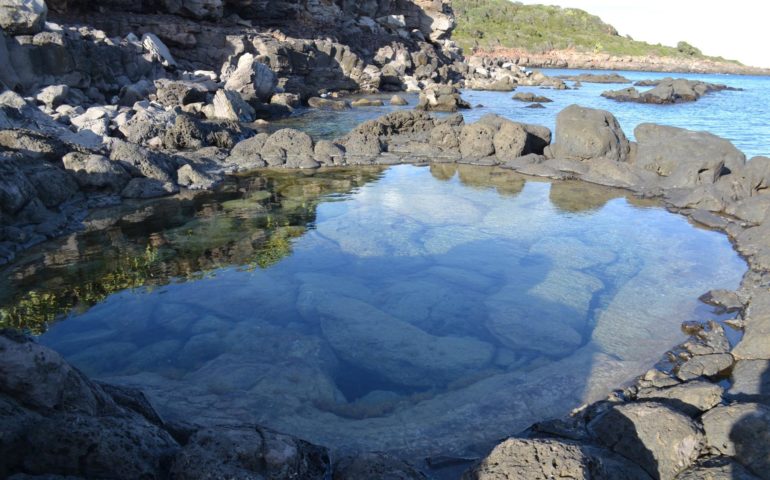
[429,311]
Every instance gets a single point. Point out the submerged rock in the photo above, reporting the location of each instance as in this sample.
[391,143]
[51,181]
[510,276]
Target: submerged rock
[403,354]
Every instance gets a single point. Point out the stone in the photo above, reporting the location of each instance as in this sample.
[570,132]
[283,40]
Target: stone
[252,79]
[140,162]
[194,179]
[692,398]
[197,9]
[247,153]
[477,140]
[659,439]
[546,459]
[287,147]
[399,351]
[367,102]
[229,105]
[751,381]
[361,146]
[172,94]
[327,152]
[719,468]
[40,379]
[22,17]
[95,119]
[530,97]
[398,101]
[291,100]
[327,104]
[16,191]
[685,158]
[33,144]
[53,185]
[95,446]
[741,431]
[442,98]
[373,465]
[754,344]
[148,188]
[666,91]
[53,95]
[96,171]
[704,366]
[248,453]
[158,50]
[585,134]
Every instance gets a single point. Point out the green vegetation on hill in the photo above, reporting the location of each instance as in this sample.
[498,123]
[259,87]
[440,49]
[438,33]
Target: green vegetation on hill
[489,24]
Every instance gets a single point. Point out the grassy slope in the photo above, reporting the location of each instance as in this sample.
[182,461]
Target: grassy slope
[541,28]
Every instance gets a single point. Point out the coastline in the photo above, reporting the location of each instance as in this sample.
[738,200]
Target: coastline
[574,60]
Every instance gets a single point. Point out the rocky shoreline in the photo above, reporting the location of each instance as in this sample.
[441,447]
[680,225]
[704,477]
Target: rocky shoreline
[571,59]
[91,117]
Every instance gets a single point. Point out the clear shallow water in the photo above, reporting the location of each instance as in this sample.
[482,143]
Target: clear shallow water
[423,311]
[740,116]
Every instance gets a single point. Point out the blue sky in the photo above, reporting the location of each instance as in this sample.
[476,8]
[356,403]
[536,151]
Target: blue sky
[735,29]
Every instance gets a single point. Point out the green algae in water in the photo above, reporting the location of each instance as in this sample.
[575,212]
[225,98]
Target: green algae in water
[423,311]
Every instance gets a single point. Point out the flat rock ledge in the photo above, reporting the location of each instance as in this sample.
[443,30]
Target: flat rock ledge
[705,413]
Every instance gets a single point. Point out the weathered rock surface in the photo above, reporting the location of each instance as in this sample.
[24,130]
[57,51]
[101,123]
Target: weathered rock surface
[547,459]
[584,133]
[686,158]
[660,440]
[73,427]
[531,98]
[667,91]
[741,431]
[22,17]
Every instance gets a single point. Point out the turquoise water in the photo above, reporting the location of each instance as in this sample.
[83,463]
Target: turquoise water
[421,311]
[740,116]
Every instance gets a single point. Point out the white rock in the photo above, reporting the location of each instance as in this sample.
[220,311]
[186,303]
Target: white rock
[22,17]
[158,50]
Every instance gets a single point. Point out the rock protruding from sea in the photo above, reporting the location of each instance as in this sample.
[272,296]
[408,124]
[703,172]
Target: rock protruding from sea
[666,91]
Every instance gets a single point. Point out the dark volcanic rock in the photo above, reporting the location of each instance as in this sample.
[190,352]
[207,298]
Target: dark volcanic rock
[531,98]
[667,91]
[597,78]
[56,422]
[585,133]
[663,441]
[546,459]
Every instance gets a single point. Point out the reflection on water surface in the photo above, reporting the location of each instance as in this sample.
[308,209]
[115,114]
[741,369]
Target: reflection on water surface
[423,311]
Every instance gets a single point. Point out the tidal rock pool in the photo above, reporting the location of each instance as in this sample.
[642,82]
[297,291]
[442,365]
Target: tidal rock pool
[414,310]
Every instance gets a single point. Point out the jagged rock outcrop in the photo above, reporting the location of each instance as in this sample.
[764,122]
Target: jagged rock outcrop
[666,91]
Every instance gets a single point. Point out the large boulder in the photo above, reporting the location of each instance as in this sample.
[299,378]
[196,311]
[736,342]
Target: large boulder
[252,79]
[288,147]
[661,440]
[548,459]
[685,158]
[229,105]
[248,452]
[586,133]
[16,191]
[666,91]
[96,171]
[22,17]
[741,431]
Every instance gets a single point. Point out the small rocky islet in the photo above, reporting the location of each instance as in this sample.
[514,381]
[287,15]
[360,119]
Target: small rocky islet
[90,119]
